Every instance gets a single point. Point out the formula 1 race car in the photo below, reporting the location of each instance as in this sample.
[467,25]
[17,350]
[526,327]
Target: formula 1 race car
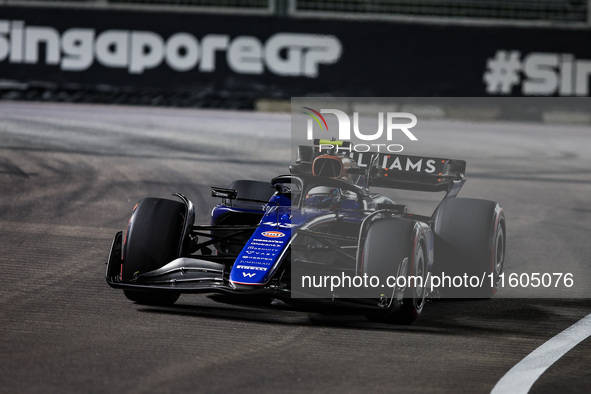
[289,239]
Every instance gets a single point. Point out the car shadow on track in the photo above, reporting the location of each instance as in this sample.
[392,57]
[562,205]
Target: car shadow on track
[444,317]
[275,312]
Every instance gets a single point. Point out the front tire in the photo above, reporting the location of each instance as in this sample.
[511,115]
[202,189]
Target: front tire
[152,239]
[394,247]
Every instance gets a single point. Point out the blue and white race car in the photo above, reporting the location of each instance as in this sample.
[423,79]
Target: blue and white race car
[316,235]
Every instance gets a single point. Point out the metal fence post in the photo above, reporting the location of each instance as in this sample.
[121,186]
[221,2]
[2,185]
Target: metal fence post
[282,6]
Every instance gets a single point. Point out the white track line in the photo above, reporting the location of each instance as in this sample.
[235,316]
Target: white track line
[523,375]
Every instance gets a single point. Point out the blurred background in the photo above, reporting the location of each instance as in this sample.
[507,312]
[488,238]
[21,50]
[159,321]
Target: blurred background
[248,54]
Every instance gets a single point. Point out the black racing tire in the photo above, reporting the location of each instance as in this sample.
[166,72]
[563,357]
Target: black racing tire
[470,238]
[394,248]
[152,239]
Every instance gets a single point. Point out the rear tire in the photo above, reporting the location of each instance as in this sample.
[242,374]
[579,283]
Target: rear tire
[470,238]
[393,249]
[152,240]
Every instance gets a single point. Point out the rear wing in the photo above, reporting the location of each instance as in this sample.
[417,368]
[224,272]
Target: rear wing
[389,170]
[420,173]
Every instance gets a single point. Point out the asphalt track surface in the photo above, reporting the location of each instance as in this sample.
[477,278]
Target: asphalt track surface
[70,174]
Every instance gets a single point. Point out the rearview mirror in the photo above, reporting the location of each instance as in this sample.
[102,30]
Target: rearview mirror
[222,192]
